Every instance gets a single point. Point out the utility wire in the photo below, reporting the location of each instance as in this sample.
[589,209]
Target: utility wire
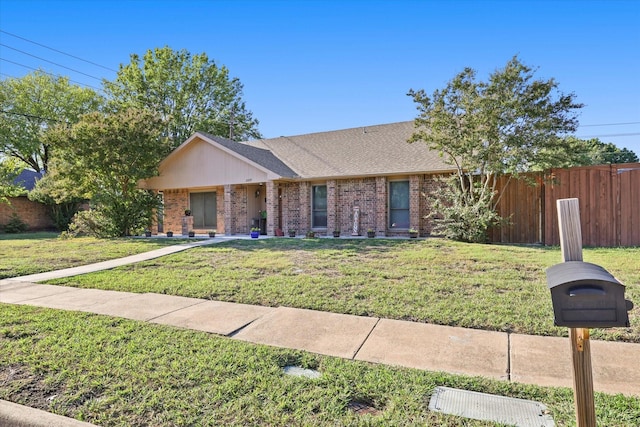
[610,135]
[59,51]
[51,62]
[611,124]
[51,74]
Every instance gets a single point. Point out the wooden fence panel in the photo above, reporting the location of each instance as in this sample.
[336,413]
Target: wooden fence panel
[522,204]
[609,203]
[628,194]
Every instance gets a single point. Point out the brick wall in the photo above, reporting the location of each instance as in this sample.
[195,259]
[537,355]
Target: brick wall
[291,207]
[369,194]
[357,192]
[34,214]
[272,207]
[175,202]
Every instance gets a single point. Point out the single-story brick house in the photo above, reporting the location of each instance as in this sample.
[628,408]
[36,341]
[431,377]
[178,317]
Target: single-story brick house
[34,214]
[351,180]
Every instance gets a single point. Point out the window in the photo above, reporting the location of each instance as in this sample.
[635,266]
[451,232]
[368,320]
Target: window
[319,206]
[203,209]
[399,204]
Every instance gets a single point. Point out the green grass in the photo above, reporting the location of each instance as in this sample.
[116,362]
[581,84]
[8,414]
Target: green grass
[492,287]
[30,253]
[117,372]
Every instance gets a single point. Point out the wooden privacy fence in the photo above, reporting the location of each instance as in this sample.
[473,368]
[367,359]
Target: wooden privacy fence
[609,198]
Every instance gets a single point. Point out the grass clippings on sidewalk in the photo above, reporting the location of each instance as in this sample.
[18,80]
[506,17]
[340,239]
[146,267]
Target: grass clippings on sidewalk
[492,287]
[117,372]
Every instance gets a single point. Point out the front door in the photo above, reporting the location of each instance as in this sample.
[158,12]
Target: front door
[256,204]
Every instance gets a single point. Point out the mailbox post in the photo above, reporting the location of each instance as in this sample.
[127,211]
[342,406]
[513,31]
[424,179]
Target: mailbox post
[584,296]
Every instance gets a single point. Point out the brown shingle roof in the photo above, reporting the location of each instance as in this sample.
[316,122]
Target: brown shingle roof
[363,151]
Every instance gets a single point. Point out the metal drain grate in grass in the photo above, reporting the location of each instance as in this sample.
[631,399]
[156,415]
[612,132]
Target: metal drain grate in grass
[298,371]
[488,407]
[361,408]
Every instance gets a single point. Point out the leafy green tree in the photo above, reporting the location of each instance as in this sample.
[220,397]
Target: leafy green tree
[102,158]
[32,104]
[595,152]
[9,170]
[484,129]
[191,93]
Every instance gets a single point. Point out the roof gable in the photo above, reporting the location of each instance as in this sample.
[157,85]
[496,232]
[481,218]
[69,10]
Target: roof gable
[203,161]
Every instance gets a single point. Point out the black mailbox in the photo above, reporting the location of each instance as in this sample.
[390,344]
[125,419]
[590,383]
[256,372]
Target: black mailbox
[585,295]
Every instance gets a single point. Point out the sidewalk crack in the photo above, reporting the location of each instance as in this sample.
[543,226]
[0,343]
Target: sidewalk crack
[365,339]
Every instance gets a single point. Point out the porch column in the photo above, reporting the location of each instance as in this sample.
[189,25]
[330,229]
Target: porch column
[332,214]
[272,207]
[381,206]
[305,207]
[229,217]
[415,211]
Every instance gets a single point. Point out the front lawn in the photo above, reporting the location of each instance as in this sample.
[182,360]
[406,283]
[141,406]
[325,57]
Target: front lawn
[31,253]
[117,372]
[493,287]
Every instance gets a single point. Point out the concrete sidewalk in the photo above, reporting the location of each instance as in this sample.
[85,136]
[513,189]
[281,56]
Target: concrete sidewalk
[528,359]
[544,361]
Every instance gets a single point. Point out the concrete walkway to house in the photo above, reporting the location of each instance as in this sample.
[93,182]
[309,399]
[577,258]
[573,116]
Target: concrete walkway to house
[544,361]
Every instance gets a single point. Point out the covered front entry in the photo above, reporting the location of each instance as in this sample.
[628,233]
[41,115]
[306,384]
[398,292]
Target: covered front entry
[257,207]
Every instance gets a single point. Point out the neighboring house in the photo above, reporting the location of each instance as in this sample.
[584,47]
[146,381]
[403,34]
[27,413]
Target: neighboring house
[352,180]
[34,214]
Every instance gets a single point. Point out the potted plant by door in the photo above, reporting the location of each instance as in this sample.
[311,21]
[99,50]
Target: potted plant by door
[255,232]
[292,233]
[371,233]
[310,234]
[413,233]
[212,233]
[192,233]
[147,233]
[169,233]
[336,233]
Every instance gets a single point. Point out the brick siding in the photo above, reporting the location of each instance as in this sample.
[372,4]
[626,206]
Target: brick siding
[36,215]
[294,201]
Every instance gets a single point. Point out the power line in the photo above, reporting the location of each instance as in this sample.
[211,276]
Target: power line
[59,51]
[611,124]
[51,62]
[51,74]
[611,135]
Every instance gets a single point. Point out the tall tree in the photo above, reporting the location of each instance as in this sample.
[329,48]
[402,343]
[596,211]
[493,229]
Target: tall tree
[30,105]
[595,152]
[191,93]
[490,128]
[9,170]
[102,157]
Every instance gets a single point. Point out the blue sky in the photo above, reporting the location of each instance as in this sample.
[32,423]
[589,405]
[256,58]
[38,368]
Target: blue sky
[310,66]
